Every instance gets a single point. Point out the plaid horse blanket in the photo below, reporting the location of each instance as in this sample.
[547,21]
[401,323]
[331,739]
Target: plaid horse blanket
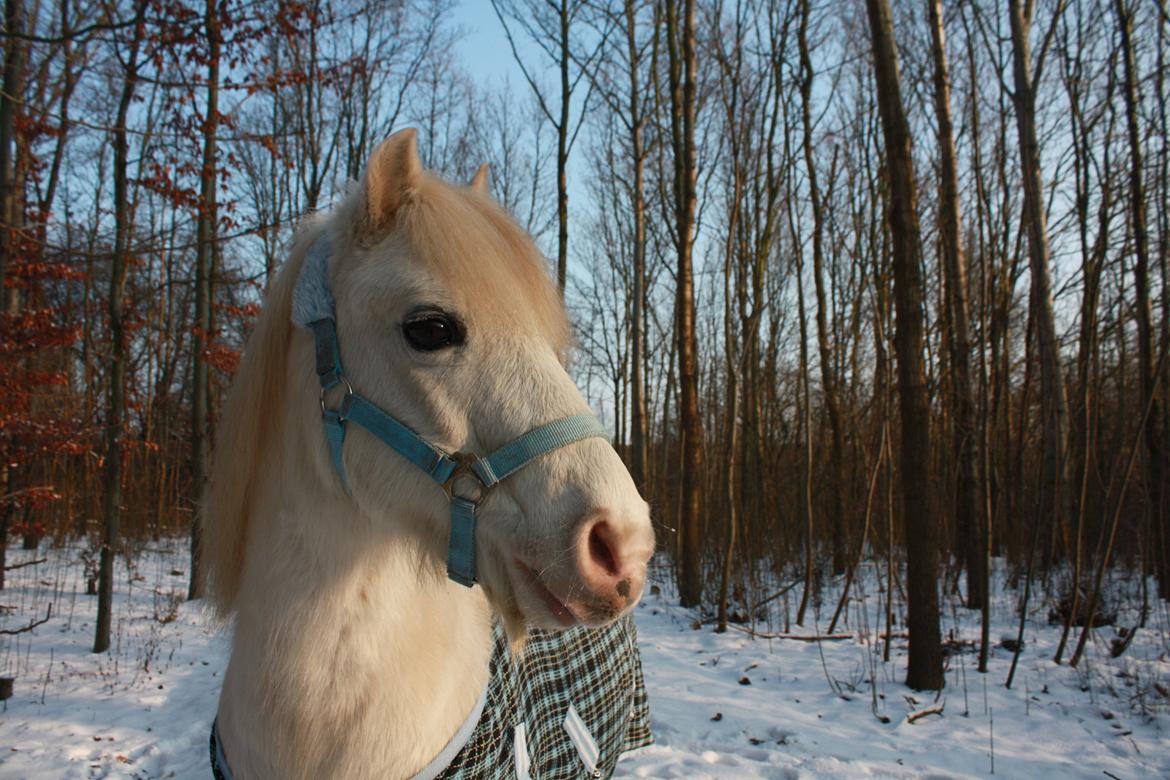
[566,708]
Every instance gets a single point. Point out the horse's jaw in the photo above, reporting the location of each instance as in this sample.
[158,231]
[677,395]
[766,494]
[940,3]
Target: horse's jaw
[352,657]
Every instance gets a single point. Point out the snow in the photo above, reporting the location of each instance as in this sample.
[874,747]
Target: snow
[723,705]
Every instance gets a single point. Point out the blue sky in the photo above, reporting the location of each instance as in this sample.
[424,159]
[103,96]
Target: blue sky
[487,57]
[484,48]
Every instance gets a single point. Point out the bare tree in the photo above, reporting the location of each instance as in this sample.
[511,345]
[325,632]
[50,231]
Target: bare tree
[1148,381]
[735,91]
[925,667]
[11,209]
[513,139]
[120,262]
[828,375]
[550,26]
[682,55]
[10,97]
[205,247]
[618,77]
[1054,400]
[954,264]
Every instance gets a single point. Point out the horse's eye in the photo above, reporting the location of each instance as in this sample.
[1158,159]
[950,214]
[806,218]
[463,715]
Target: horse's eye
[432,331]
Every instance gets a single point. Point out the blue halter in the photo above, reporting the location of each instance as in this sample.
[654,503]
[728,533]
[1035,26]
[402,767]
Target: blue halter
[313,308]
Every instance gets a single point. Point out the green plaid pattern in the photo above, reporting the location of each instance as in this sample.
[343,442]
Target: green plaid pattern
[597,670]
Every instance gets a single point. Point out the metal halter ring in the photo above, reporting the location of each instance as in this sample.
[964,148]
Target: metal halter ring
[463,468]
[343,408]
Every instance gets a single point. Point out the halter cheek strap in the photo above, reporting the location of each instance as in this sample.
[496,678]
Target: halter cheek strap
[314,300]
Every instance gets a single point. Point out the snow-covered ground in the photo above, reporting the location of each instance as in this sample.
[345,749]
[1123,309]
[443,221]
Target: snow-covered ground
[724,705]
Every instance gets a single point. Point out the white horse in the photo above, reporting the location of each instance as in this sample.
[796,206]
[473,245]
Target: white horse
[353,654]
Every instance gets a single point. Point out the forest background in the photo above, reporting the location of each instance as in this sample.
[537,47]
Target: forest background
[850,282]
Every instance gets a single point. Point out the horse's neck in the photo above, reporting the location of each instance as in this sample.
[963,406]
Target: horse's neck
[350,657]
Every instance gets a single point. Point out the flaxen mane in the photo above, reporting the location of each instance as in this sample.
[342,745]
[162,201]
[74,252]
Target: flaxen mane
[246,430]
[473,243]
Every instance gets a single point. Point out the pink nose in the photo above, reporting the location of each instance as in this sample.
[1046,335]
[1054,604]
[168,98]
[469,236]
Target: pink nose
[611,561]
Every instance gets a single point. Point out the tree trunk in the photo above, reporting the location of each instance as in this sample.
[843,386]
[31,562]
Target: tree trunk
[732,409]
[1162,531]
[10,214]
[563,153]
[925,666]
[805,425]
[1054,400]
[116,410]
[10,97]
[1082,432]
[828,375]
[955,271]
[638,429]
[205,239]
[1141,274]
[682,100]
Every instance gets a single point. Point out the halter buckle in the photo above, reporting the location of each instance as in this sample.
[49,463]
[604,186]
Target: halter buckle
[342,409]
[463,470]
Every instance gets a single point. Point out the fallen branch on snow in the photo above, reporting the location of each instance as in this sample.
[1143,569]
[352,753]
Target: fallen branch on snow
[16,566]
[30,626]
[776,595]
[798,637]
[916,716]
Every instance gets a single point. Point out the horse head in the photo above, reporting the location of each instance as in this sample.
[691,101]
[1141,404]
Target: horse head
[446,318]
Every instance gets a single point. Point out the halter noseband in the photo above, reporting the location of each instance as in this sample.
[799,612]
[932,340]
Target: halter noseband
[313,308]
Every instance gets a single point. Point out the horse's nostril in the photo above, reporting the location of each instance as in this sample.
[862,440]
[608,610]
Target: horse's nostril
[601,548]
[610,552]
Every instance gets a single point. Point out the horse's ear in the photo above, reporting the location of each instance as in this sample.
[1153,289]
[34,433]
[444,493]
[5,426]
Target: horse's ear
[393,171]
[479,182]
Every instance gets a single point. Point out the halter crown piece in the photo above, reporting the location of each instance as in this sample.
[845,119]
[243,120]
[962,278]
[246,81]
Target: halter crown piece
[314,309]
